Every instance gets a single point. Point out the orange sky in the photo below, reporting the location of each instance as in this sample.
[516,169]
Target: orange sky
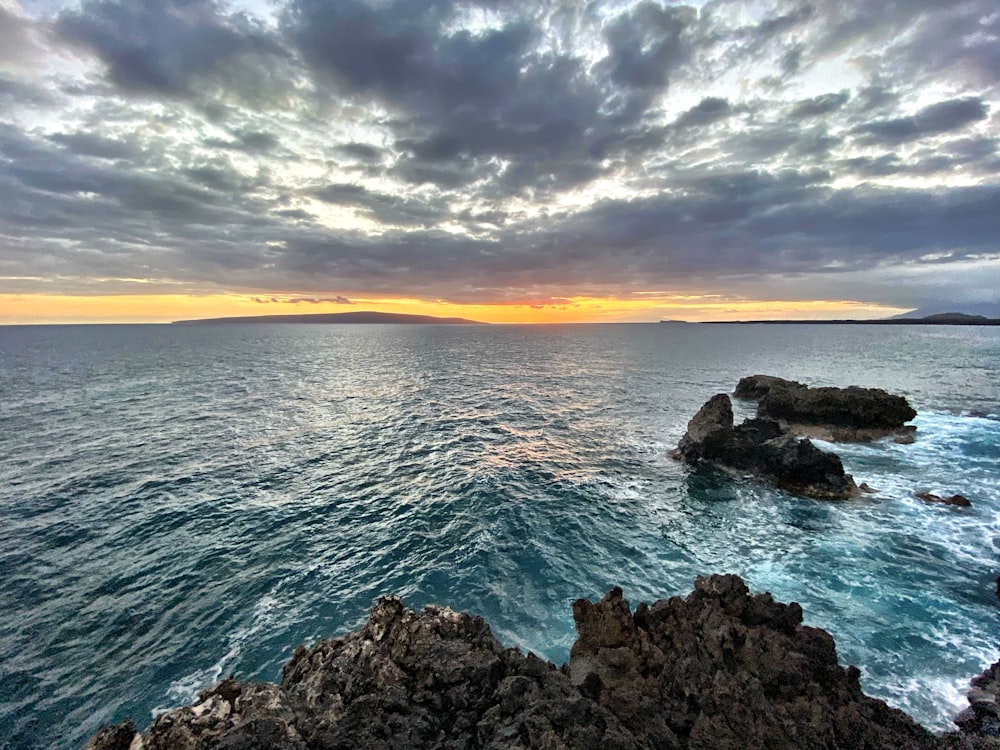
[162,308]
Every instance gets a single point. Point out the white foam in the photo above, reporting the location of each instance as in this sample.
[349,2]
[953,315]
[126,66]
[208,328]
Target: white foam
[937,700]
[184,690]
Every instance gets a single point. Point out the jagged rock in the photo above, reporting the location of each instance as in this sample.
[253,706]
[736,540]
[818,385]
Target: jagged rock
[840,414]
[760,447]
[755,387]
[439,679]
[719,669]
[928,497]
[114,737]
[231,716]
[979,724]
[722,669]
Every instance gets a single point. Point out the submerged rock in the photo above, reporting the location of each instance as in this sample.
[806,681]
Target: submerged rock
[719,669]
[929,497]
[761,447]
[849,414]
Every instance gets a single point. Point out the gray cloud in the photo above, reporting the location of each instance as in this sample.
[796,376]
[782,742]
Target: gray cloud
[165,46]
[385,208]
[708,110]
[500,152]
[934,119]
[338,300]
[819,105]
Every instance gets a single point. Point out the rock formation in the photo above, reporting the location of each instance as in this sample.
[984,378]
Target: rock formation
[982,717]
[718,669]
[760,447]
[929,497]
[841,414]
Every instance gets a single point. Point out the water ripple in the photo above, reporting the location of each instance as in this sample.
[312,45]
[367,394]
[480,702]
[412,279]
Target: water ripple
[180,503]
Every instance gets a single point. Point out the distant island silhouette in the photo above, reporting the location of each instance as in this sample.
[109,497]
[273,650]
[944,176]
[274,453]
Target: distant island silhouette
[366,316]
[941,319]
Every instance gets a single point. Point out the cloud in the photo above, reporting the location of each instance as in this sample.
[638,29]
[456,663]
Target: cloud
[819,105]
[523,153]
[707,111]
[91,144]
[338,300]
[167,47]
[934,119]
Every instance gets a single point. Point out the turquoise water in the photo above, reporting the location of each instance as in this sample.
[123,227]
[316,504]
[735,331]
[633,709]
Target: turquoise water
[181,503]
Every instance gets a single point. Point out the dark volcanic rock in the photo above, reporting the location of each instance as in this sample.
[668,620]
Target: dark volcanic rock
[116,737]
[719,669]
[844,414]
[722,669]
[439,679]
[928,497]
[982,717]
[979,724]
[755,387]
[760,447]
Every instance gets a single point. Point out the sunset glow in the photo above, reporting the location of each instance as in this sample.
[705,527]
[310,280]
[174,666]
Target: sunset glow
[165,308]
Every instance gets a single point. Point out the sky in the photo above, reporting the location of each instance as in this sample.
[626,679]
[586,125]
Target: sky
[546,161]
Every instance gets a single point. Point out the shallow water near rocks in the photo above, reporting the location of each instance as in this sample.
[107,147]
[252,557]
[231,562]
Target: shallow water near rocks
[182,503]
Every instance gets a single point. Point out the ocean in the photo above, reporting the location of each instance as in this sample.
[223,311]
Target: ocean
[181,503]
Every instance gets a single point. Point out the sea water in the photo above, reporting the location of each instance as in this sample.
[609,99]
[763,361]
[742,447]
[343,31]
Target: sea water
[178,504]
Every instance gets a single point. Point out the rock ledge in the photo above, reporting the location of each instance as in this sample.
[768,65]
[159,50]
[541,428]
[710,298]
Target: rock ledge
[717,669]
[849,414]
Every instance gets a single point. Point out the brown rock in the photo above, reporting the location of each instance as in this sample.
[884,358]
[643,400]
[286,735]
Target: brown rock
[755,387]
[849,414]
[928,497]
[114,737]
[760,447]
[718,669]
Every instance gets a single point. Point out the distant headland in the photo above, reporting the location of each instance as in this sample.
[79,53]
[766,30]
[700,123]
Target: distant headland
[941,319]
[366,316]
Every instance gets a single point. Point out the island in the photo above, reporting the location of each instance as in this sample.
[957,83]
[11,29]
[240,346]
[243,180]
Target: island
[365,316]
[941,319]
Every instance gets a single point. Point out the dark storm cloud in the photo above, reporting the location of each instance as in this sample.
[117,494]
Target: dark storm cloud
[935,119]
[646,44]
[91,144]
[385,208]
[164,46]
[467,99]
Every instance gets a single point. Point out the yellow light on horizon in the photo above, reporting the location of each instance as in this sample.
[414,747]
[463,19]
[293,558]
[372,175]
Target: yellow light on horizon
[16,309]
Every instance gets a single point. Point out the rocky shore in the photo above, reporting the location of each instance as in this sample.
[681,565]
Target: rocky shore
[717,669]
